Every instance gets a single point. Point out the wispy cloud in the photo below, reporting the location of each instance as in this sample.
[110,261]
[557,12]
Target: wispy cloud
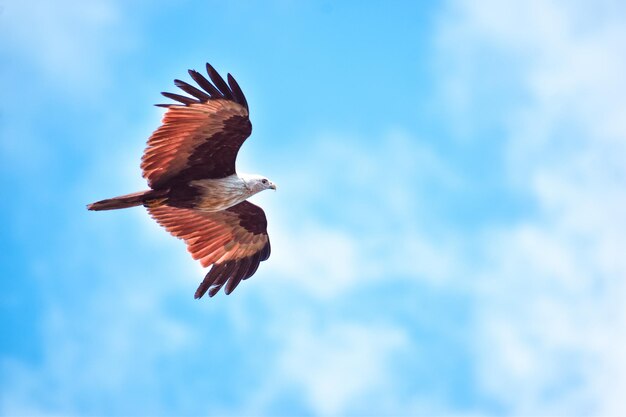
[375,231]
[71,43]
[342,365]
[552,284]
[376,298]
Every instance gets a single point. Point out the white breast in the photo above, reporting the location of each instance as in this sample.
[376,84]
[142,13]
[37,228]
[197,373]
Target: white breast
[220,194]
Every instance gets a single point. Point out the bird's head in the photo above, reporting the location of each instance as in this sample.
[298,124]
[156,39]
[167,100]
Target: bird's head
[258,183]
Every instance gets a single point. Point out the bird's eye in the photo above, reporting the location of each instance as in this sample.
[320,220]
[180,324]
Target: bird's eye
[264,181]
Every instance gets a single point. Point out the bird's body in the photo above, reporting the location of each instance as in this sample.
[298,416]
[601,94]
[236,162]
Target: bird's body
[195,192]
[222,193]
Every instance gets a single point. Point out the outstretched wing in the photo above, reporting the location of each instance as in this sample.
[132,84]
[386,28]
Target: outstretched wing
[234,241]
[199,138]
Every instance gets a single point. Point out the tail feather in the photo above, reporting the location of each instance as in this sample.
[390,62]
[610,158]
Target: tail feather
[123,201]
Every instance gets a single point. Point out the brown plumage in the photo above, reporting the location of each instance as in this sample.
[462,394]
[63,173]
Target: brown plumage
[195,193]
[234,237]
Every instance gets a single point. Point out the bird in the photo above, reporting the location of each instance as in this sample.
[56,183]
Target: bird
[194,190]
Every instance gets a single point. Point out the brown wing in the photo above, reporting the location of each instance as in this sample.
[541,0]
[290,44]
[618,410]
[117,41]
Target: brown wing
[199,138]
[234,241]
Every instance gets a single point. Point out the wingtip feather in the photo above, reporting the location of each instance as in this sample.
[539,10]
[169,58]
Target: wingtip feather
[182,99]
[190,89]
[205,84]
[219,82]
[237,92]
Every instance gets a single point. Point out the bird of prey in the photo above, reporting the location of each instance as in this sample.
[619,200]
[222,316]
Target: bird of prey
[195,192]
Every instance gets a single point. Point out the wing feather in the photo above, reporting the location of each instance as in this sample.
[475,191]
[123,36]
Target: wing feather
[237,93]
[238,276]
[234,241]
[201,137]
[190,89]
[209,279]
[205,84]
[178,97]
[254,265]
[219,82]
[229,269]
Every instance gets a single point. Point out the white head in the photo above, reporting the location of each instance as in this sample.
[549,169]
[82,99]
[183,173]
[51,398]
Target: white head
[257,183]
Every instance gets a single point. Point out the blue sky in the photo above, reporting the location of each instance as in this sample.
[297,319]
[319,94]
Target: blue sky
[447,235]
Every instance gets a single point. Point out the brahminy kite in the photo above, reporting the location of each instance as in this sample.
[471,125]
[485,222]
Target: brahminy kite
[195,192]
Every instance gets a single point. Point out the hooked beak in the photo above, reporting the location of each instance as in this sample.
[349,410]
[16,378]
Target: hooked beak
[273,186]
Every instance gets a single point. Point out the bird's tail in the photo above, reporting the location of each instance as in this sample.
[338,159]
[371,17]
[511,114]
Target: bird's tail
[124,201]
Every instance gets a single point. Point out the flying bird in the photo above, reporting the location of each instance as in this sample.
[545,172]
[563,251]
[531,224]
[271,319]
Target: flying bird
[195,192]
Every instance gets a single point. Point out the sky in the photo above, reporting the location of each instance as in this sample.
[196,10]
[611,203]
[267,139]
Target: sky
[447,236]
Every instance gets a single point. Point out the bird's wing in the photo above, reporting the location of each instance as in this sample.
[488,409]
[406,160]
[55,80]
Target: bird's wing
[234,241]
[199,138]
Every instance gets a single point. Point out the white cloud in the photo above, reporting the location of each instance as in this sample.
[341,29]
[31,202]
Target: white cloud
[547,295]
[341,367]
[550,313]
[320,260]
[66,41]
[89,352]
[376,231]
